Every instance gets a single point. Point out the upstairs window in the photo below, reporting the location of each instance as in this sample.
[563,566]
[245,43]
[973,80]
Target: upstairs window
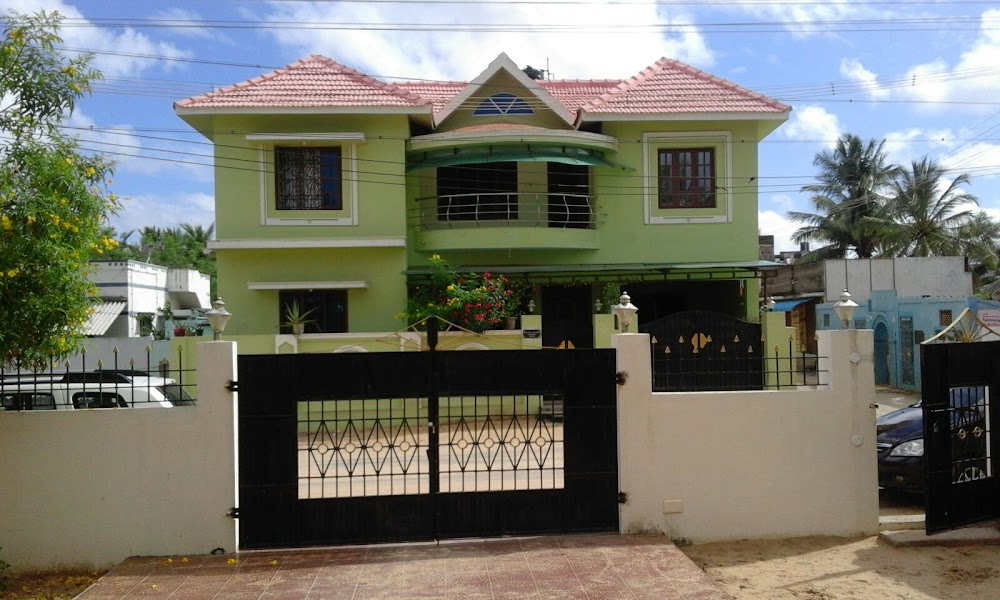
[686,178]
[308,178]
[503,103]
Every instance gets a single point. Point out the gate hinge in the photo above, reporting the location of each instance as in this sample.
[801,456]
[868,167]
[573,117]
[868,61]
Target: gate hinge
[622,497]
[621,377]
[233,513]
[233,386]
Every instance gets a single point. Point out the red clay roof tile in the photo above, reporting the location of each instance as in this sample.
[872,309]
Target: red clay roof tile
[666,87]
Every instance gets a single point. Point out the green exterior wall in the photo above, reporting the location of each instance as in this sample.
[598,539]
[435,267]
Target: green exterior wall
[387,204]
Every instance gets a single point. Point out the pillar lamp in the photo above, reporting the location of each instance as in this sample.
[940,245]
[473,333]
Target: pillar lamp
[845,308]
[624,310]
[217,317]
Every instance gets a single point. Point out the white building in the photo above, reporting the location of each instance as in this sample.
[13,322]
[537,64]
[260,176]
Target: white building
[130,288]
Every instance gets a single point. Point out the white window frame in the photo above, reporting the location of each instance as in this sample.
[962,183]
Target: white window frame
[721,141]
[348,143]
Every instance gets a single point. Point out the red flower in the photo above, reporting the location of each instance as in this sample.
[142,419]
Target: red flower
[486,275]
[479,317]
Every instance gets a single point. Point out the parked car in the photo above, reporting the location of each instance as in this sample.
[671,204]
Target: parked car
[96,389]
[900,444]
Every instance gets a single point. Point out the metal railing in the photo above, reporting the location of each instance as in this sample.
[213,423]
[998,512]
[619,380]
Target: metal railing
[722,371]
[112,384]
[505,209]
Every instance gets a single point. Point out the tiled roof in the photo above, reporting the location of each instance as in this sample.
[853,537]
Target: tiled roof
[669,86]
[313,82]
[666,87]
[437,92]
[574,93]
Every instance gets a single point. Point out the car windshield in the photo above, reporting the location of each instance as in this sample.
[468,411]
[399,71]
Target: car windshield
[176,394]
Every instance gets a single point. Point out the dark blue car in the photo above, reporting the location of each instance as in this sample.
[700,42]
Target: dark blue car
[900,443]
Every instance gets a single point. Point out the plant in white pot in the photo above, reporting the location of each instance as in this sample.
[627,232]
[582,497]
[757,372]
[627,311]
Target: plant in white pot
[296,318]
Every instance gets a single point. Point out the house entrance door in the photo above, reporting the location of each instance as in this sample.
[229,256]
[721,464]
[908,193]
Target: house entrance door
[567,317]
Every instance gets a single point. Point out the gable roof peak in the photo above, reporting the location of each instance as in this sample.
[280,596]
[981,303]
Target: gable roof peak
[504,63]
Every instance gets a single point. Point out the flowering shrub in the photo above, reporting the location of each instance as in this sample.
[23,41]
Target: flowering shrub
[473,301]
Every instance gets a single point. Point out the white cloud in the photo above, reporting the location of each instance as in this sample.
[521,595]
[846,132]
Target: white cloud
[975,77]
[594,41]
[770,222]
[165,211]
[853,70]
[99,39]
[813,124]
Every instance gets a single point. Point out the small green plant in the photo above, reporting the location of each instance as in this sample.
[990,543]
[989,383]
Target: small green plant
[295,317]
[167,311]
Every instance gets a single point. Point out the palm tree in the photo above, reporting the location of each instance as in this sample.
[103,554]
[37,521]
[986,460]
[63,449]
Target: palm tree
[980,240]
[926,214]
[850,188]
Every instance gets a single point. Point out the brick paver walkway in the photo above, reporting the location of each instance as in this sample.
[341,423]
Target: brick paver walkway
[604,567]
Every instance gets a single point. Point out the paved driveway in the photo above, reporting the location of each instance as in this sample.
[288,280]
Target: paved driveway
[604,567]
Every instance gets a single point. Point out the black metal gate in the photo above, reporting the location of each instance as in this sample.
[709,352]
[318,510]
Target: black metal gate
[960,443]
[703,350]
[383,447]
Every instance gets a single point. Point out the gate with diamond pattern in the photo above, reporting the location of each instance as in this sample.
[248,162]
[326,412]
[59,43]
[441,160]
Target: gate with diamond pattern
[406,446]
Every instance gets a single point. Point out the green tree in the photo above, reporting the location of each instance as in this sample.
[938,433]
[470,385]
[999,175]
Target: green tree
[980,241]
[183,247]
[854,177]
[53,199]
[926,214]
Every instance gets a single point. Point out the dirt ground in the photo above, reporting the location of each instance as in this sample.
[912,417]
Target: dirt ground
[50,585]
[827,568]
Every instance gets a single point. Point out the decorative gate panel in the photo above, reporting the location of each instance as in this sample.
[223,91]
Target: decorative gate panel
[959,383]
[702,350]
[379,447]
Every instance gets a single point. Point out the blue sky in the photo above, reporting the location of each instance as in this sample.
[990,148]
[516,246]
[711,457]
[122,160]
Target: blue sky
[925,76]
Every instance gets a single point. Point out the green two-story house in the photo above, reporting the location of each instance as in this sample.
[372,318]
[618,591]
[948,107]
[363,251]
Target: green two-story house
[333,189]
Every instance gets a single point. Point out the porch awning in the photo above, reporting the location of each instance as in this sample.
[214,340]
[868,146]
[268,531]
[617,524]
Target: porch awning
[618,272]
[103,316]
[788,305]
[515,153]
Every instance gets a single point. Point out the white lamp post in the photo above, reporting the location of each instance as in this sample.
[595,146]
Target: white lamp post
[217,317]
[624,310]
[845,308]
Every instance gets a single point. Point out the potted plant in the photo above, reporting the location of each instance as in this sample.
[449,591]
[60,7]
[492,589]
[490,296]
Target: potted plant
[296,318]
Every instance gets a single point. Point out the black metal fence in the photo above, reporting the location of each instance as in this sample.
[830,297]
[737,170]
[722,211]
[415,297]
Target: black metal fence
[100,384]
[708,351]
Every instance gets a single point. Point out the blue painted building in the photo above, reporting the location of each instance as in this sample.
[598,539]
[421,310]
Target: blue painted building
[900,325]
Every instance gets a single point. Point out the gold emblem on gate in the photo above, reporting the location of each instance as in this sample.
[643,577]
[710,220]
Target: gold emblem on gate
[962,433]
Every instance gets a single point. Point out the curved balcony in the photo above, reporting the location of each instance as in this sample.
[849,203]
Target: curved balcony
[505,220]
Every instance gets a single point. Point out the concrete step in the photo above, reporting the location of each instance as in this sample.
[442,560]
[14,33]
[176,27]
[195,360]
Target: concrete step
[901,522]
[970,536]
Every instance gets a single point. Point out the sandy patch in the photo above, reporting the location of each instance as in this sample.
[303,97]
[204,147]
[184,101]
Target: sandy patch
[829,568]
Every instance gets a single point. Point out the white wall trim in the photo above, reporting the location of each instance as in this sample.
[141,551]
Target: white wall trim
[285,244]
[349,176]
[723,192]
[343,136]
[307,285]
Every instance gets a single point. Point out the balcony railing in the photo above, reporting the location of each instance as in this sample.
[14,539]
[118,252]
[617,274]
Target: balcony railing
[505,209]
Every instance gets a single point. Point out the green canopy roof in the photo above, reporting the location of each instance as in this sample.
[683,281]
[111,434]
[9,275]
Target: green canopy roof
[509,153]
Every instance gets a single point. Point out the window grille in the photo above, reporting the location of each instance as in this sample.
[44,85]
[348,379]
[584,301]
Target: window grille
[308,178]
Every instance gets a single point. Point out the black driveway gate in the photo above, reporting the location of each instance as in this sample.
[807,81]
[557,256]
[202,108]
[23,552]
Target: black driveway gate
[960,383]
[406,446]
